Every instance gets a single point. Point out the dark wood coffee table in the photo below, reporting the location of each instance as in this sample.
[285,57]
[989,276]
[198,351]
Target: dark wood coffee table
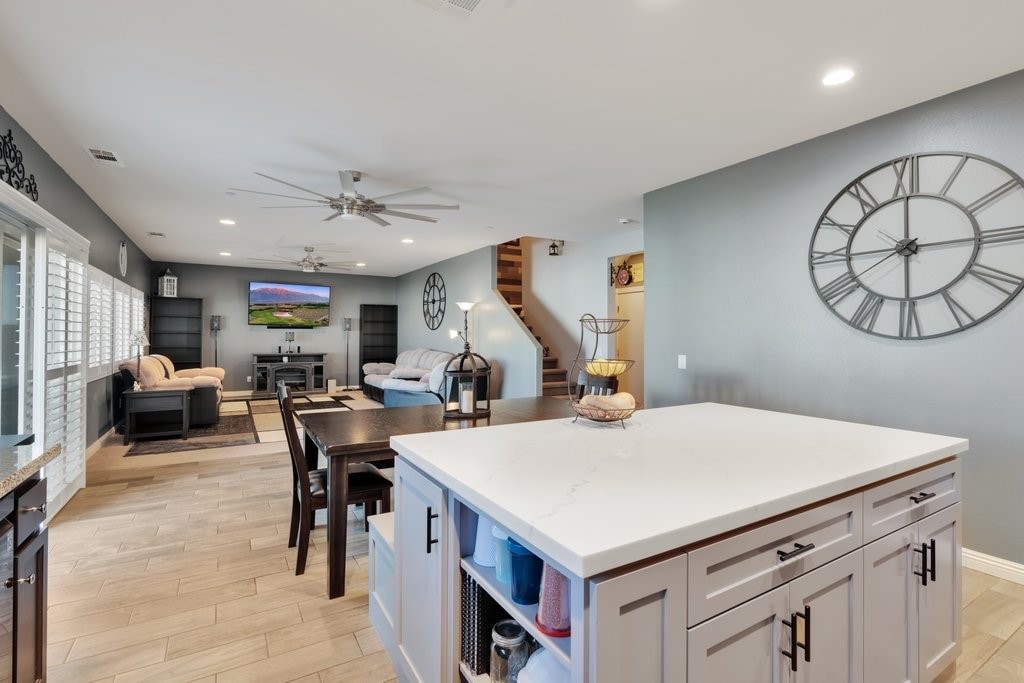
[346,437]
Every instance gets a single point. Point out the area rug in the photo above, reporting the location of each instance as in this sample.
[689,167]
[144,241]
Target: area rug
[250,420]
[230,430]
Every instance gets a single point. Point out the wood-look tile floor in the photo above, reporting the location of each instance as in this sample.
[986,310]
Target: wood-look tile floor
[176,568]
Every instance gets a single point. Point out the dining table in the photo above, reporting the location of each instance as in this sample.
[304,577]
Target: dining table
[353,436]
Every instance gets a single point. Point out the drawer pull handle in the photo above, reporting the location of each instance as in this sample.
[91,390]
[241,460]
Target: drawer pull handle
[798,549]
[922,497]
[927,567]
[430,515]
[794,643]
[9,583]
[37,508]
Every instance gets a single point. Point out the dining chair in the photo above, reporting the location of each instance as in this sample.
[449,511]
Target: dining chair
[366,485]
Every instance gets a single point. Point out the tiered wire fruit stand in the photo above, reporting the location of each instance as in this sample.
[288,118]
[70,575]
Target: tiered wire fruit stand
[590,375]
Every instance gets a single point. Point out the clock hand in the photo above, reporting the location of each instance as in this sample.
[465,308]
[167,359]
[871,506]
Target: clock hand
[885,258]
[888,236]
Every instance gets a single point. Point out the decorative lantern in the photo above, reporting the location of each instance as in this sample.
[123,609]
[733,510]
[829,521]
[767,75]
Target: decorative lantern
[467,378]
[167,284]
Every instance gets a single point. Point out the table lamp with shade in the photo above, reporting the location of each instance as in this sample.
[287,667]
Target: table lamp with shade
[467,377]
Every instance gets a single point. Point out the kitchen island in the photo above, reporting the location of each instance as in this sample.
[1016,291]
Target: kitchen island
[698,542]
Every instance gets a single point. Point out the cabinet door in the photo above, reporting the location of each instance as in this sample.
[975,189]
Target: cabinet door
[30,610]
[743,644]
[421,520]
[939,601]
[639,626]
[833,634]
[890,607]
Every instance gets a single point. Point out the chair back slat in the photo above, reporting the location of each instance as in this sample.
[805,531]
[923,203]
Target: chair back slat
[300,470]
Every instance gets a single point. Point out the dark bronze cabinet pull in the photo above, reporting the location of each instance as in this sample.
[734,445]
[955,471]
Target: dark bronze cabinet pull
[794,643]
[927,567]
[430,516]
[798,549]
[922,497]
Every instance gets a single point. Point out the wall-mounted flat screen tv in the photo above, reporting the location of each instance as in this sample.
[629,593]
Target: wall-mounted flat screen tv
[280,305]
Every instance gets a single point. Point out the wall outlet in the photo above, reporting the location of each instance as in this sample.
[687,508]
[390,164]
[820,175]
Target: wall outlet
[248,379]
[682,361]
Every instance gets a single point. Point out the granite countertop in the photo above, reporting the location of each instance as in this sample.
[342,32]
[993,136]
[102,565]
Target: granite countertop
[592,497]
[18,464]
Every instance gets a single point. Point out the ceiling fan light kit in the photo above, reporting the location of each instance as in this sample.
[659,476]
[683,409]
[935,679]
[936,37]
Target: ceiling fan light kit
[350,204]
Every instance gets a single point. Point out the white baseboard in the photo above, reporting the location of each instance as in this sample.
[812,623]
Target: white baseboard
[994,566]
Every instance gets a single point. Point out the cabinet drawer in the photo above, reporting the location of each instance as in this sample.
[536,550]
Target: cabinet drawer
[29,511]
[908,499]
[726,573]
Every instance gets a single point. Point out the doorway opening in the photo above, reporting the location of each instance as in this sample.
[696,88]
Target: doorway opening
[626,275]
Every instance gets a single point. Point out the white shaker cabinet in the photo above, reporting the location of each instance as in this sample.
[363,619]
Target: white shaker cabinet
[912,600]
[807,631]
[421,544]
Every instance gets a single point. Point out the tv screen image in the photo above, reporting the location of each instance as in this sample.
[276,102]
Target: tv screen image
[281,305]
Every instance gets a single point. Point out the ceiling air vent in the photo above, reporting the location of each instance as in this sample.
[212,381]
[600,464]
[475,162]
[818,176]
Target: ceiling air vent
[458,8]
[104,157]
[156,234]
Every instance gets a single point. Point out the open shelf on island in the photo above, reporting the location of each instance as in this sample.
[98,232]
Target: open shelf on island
[524,614]
[469,676]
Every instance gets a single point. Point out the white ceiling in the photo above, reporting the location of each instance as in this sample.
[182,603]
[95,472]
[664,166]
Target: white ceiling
[541,117]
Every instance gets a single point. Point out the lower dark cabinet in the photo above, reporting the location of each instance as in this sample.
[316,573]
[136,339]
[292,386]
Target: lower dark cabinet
[23,583]
[29,584]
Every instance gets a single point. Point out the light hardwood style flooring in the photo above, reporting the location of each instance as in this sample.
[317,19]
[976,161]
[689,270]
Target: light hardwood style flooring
[175,568]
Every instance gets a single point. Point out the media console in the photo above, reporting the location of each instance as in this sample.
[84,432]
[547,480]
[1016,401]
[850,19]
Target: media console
[303,372]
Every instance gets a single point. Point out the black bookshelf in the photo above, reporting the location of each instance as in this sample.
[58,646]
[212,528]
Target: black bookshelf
[378,335]
[176,330]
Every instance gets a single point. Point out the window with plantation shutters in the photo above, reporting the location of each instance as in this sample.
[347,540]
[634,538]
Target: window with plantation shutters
[123,349]
[101,323]
[65,364]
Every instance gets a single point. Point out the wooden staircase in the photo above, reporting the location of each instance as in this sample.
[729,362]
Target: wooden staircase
[510,286]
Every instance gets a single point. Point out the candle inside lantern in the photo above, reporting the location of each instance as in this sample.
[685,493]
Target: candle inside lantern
[466,402]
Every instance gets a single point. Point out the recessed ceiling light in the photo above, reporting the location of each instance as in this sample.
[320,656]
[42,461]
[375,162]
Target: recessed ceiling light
[227,221]
[360,265]
[407,241]
[225,253]
[837,77]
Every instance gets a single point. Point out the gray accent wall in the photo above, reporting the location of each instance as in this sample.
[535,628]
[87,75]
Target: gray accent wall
[728,285]
[225,292]
[495,332]
[62,197]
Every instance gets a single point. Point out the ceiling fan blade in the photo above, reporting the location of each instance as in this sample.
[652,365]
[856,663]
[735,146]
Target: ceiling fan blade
[399,194]
[376,219]
[348,183]
[274,194]
[297,187]
[296,206]
[271,260]
[413,216]
[332,216]
[433,207]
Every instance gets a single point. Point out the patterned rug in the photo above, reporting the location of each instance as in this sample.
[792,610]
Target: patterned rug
[248,421]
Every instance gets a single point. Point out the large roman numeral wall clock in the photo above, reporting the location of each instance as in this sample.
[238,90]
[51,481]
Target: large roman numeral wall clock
[922,246]
[433,300]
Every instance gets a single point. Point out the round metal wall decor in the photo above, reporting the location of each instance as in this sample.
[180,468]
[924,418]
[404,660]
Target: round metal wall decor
[922,246]
[433,301]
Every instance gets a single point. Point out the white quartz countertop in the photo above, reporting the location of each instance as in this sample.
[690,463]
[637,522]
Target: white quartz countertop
[593,497]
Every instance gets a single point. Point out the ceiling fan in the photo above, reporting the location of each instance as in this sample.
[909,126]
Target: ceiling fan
[309,263]
[351,204]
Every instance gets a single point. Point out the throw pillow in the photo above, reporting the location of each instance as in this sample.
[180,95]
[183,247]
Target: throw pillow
[407,373]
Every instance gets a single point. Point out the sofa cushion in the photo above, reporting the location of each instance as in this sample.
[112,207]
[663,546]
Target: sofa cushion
[404,384]
[375,380]
[422,358]
[377,368]
[402,372]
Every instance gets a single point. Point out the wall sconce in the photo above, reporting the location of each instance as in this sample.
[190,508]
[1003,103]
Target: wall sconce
[556,247]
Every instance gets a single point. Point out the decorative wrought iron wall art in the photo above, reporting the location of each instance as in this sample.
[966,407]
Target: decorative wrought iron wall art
[13,171]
